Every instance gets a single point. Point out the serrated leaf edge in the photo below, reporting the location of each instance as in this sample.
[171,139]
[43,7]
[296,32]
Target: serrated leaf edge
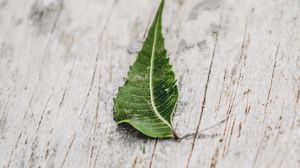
[151,83]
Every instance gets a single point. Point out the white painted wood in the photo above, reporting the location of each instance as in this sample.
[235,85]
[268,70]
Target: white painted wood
[237,64]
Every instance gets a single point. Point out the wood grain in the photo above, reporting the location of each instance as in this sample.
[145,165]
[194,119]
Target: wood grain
[238,70]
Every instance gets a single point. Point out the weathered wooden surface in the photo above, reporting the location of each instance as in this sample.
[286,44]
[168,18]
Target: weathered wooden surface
[237,64]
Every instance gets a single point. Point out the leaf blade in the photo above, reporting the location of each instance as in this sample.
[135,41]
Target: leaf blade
[149,96]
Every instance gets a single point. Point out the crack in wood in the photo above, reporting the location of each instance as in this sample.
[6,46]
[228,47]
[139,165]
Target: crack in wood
[68,150]
[153,153]
[204,98]
[96,59]
[271,81]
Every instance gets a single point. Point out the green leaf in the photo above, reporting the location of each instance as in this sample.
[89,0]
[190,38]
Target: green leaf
[149,96]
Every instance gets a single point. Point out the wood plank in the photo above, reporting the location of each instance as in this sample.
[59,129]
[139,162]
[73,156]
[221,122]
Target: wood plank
[237,65]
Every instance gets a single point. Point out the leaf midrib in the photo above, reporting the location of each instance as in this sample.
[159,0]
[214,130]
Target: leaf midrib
[151,75]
